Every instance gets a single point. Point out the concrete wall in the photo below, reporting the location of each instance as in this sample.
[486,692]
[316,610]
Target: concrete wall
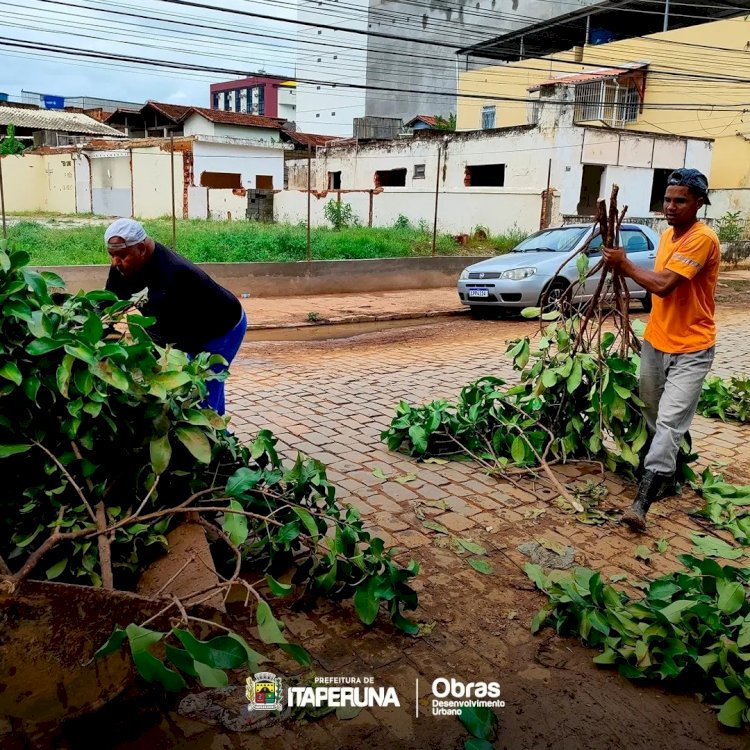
[198,125]
[36,182]
[82,166]
[152,185]
[111,186]
[226,204]
[498,209]
[317,277]
[249,161]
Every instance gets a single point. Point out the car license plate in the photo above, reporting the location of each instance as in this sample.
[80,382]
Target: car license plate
[479,292]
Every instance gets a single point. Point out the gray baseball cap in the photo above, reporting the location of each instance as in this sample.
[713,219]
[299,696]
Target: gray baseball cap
[691,178]
[129,229]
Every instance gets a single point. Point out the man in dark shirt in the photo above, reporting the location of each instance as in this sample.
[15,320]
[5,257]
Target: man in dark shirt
[193,313]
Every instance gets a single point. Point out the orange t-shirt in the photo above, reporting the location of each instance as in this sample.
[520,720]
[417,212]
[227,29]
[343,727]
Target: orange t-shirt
[683,321]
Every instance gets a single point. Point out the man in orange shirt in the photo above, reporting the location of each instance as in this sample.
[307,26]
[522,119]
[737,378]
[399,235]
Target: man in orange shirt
[681,333]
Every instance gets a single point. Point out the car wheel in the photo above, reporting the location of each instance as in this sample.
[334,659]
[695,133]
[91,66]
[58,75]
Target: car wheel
[482,312]
[556,297]
[646,302]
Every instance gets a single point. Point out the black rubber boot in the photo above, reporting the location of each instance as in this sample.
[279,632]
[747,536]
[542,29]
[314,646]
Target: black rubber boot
[650,489]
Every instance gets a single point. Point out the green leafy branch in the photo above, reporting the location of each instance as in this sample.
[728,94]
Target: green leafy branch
[691,627]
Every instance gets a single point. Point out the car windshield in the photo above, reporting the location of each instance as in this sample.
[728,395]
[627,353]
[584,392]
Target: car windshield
[560,240]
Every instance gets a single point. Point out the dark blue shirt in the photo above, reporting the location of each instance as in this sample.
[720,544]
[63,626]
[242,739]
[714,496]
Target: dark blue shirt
[189,306]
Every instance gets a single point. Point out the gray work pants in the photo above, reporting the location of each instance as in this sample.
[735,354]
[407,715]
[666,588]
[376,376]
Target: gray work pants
[670,388]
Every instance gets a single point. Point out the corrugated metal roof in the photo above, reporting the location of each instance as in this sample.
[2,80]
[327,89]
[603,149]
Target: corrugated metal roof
[53,119]
[308,139]
[592,75]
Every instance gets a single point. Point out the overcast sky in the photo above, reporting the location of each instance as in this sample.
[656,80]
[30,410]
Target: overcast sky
[98,25]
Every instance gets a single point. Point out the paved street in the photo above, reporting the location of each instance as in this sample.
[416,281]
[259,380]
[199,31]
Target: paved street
[331,400]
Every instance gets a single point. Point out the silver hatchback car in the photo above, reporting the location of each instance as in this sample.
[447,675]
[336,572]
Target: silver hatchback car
[519,278]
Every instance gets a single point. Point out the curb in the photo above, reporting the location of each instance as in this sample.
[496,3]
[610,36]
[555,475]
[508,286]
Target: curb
[358,319]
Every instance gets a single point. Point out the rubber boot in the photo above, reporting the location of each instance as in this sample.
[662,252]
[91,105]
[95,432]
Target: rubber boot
[649,489]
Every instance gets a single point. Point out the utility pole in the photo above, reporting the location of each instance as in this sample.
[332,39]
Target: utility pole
[309,188]
[437,195]
[174,210]
[666,15]
[2,199]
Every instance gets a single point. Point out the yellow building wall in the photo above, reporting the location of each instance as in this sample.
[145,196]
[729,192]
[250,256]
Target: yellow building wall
[674,103]
[23,183]
[59,184]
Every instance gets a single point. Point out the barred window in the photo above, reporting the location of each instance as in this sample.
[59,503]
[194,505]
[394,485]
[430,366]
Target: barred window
[610,101]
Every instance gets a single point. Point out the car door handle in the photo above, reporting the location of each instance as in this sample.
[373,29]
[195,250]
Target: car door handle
[653,255]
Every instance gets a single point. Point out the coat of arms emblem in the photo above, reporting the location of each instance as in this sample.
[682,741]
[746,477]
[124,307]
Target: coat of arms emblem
[263,691]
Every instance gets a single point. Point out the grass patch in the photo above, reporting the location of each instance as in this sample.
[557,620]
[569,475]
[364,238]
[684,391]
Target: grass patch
[239,241]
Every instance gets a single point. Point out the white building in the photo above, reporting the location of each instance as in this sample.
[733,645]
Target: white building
[235,150]
[497,178]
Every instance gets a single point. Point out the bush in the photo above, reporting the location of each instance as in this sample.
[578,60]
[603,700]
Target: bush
[340,215]
[402,223]
[730,227]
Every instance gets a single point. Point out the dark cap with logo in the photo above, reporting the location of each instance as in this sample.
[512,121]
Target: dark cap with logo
[693,179]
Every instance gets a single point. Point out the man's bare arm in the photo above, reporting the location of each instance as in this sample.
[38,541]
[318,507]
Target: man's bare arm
[660,283]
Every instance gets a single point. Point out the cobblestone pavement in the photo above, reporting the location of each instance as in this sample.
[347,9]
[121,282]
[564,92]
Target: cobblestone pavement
[331,400]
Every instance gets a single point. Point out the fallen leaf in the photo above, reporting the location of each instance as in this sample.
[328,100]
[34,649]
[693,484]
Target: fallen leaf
[435,526]
[617,577]
[379,473]
[642,552]
[533,513]
[436,460]
[662,545]
[480,565]
[558,549]
[404,478]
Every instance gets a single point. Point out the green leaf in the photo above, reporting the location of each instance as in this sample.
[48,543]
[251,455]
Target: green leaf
[140,638]
[38,347]
[345,713]
[479,721]
[253,658]
[731,596]
[181,659]
[474,743]
[366,605]
[242,480]
[435,526]
[114,643]
[518,450]
[673,612]
[11,450]
[278,588]
[379,473]
[235,524]
[730,714]
[642,552]
[171,380]
[531,312]
[153,670]
[210,677]
[268,625]
[161,452]
[222,652]
[10,371]
[473,547]
[575,377]
[307,519]
[55,570]
[712,546]
[196,442]
[662,545]
[418,438]
[299,654]
[110,374]
[481,566]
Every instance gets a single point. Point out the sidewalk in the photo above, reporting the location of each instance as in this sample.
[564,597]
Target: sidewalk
[277,312]
[284,312]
